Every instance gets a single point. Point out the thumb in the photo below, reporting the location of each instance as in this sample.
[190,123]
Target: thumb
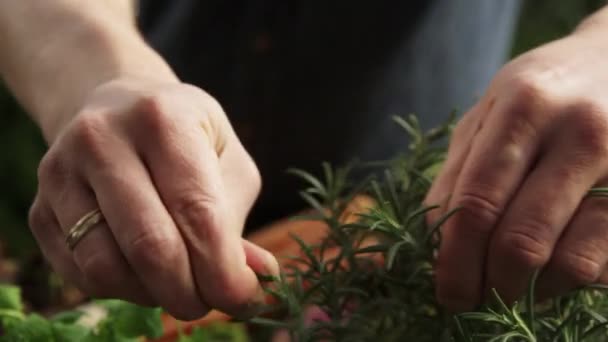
[241,183]
[261,261]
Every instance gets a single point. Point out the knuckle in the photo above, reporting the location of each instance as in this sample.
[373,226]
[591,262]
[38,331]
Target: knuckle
[52,169]
[89,134]
[196,211]
[152,111]
[572,173]
[528,93]
[592,132]
[144,250]
[525,245]
[480,211]
[583,266]
[586,106]
[150,103]
[519,128]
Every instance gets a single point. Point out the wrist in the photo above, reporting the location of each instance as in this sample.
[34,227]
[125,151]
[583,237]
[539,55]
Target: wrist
[53,63]
[109,58]
[55,110]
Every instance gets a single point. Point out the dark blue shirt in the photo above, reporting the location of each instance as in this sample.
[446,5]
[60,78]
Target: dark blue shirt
[310,81]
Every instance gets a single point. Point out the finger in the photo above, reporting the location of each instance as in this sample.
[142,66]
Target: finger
[141,226]
[499,158]
[525,239]
[48,233]
[260,260]
[150,242]
[460,146]
[185,168]
[581,255]
[242,184]
[241,199]
[105,271]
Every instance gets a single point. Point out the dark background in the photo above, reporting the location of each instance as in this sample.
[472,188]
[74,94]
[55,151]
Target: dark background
[21,146]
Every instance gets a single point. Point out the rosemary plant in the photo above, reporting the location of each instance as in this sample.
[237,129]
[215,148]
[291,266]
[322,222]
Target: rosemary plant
[379,286]
[371,279]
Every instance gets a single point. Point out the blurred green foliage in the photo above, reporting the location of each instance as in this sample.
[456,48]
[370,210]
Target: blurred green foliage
[21,146]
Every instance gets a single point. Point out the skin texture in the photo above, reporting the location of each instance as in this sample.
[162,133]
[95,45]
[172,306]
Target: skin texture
[161,161]
[157,156]
[175,186]
[519,166]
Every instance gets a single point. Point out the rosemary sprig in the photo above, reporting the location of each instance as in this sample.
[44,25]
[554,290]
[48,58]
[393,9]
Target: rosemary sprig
[380,284]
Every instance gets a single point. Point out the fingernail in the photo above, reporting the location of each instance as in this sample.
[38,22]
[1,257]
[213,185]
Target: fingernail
[271,269]
[271,264]
[261,261]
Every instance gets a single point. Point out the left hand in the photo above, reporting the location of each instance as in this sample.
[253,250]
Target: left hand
[520,165]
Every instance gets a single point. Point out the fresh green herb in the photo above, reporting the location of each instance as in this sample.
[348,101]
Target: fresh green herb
[365,301]
[377,287]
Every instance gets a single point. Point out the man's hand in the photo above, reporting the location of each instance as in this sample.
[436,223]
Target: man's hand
[157,157]
[520,165]
[174,184]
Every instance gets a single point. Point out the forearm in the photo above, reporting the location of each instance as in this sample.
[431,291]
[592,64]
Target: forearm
[53,53]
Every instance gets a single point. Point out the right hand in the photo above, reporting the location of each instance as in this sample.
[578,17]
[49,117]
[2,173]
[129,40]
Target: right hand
[175,185]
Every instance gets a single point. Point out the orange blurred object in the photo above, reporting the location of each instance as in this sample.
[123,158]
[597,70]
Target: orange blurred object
[276,239]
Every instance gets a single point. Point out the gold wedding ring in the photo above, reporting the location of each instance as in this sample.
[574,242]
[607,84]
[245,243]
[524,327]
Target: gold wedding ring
[82,227]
